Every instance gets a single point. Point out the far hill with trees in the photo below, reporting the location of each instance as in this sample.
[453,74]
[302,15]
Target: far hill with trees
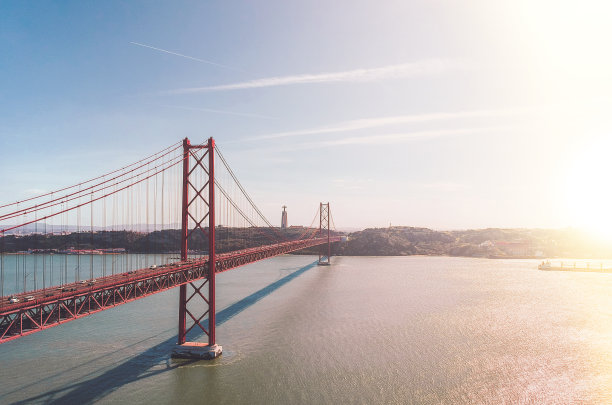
[165,241]
[391,241]
[490,243]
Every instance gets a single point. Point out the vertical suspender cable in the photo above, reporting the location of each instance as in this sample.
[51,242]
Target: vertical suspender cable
[105,233]
[2,267]
[35,254]
[91,239]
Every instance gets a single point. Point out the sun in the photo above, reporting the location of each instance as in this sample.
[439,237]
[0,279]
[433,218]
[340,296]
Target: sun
[589,188]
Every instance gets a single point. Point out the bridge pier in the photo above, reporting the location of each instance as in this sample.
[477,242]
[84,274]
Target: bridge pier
[197,350]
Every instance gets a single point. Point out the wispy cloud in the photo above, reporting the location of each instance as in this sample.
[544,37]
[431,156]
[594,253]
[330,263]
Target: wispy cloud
[210,110]
[404,137]
[35,191]
[444,186]
[400,71]
[385,139]
[186,56]
[365,123]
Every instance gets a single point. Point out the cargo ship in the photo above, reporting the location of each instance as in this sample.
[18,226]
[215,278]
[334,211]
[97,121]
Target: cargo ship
[565,266]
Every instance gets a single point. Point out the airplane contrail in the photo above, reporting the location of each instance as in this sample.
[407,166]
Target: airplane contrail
[186,56]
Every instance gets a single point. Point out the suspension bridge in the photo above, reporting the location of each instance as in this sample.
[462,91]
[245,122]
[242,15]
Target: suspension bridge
[172,219]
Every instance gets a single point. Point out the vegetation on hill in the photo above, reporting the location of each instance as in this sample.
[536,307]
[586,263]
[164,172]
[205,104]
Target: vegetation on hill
[166,241]
[392,241]
[492,242]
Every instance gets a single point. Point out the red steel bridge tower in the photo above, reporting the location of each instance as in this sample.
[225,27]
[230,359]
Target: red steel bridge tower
[192,220]
[324,232]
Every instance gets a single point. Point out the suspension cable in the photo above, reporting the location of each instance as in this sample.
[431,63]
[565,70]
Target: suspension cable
[242,188]
[80,191]
[175,146]
[91,201]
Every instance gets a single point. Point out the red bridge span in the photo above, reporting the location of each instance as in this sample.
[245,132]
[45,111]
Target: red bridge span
[220,229]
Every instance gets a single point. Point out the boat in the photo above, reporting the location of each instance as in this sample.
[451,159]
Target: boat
[544,265]
[564,266]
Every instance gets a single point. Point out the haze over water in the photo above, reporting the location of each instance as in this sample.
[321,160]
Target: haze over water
[391,330]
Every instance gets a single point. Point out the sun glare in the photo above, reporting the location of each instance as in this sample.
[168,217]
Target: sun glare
[589,188]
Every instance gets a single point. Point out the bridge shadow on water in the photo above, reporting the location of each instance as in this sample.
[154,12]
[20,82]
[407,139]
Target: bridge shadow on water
[139,367]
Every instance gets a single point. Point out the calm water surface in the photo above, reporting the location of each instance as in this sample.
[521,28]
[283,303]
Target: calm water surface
[363,331]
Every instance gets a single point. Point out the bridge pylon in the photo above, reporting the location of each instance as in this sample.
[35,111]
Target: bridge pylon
[195,211]
[324,231]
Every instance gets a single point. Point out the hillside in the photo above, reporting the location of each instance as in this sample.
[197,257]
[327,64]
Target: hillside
[166,241]
[492,242]
[393,241]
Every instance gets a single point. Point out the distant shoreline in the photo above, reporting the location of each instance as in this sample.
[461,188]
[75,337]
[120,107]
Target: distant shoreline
[491,243]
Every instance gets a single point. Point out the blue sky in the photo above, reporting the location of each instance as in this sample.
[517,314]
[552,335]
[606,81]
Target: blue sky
[425,113]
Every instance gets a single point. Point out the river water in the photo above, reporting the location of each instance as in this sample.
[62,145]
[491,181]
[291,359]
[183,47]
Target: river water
[365,330]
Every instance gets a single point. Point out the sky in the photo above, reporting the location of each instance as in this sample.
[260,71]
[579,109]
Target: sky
[441,114]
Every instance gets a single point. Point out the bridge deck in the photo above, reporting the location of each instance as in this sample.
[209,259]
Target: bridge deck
[42,309]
